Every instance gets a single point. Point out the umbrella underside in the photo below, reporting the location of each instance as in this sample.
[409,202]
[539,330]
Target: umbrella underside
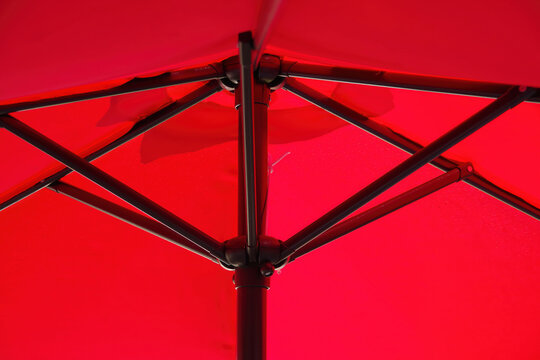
[174,138]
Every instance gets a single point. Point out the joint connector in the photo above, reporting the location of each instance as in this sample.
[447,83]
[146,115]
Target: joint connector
[267,269]
[269,68]
[269,250]
[267,73]
[268,253]
[226,266]
[465,170]
[235,252]
[231,67]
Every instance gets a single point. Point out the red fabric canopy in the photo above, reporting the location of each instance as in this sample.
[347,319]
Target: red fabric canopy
[454,275]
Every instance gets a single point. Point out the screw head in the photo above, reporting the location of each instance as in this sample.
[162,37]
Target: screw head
[267,269]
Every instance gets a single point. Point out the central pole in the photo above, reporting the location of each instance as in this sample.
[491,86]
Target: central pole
[250,283]
[251,286]
[261,98]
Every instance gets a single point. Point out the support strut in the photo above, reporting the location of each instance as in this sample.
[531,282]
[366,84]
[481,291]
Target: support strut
[384,133]
[139,128]
[509,100]
[201,73]
[385,208]
[252,99]
[261,94]
[245,47]
[114,186]
[396,80]
[129,216]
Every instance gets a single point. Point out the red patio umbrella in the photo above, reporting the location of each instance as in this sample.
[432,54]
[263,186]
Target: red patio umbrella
[327,97]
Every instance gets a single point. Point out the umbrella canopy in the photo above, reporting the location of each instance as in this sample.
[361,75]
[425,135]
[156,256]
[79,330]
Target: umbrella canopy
[452,275]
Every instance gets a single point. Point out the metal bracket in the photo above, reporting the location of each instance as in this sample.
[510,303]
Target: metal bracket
[269,68]
[269,252]
[268,72]
[465,170]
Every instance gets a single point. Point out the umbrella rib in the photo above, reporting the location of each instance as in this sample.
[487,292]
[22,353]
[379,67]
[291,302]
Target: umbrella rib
[129,216]
[113,185]
[139,128]
[385,208]
[246,87]
[403,143]
[396,80]
[510,99]
[202,73]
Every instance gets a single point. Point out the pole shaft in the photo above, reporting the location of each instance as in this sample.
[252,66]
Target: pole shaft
[260,111]
[251,288]
[261,95]
[248,147]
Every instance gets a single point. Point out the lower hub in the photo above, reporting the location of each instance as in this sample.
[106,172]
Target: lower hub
[269,250]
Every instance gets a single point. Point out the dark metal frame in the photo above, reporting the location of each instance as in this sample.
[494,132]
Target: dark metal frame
[113,185]
[397,80]
[248,147]
[129,216]
[404,143]
[385,208]
[185,76]
[511,98]
[250,282]
[139,128]
[253,255]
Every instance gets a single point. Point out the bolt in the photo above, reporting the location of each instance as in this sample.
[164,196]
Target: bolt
[267,269]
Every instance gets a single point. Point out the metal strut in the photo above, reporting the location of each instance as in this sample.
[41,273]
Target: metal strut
[129,216]
[510,99]
[245,47]
[396,80]
[139,128]
[384,133]
[111,184]
[253,254]
[385,208]
[201,73]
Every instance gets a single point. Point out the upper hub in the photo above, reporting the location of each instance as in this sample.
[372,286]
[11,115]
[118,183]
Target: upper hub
[267,72]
